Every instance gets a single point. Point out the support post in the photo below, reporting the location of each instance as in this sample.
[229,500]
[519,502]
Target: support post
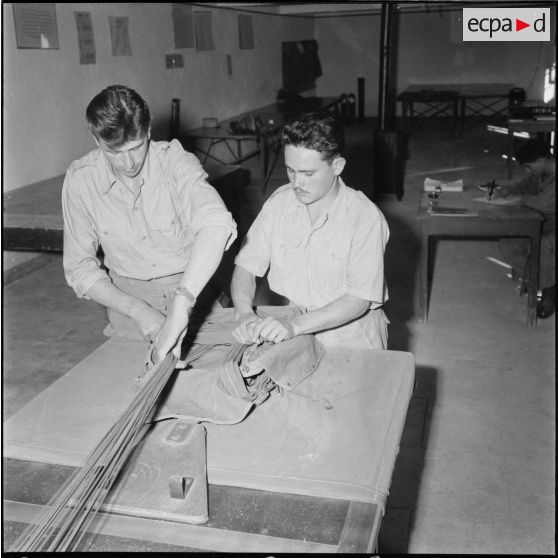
[360,83]
[390,145]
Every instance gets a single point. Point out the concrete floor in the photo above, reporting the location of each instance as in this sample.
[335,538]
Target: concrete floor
[476,469]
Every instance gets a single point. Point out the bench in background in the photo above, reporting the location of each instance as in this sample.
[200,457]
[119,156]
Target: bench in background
[32,215]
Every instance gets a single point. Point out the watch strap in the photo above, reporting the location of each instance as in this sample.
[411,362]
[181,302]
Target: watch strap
[182,290]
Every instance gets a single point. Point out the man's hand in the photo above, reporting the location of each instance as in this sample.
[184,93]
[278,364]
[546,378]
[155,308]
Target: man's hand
[274,330]
[148,320]
[244,331]
[173,329]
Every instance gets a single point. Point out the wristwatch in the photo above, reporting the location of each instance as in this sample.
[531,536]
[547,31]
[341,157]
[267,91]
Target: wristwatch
[181,290]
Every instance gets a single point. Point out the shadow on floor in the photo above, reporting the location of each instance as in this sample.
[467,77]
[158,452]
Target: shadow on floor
[401,264]
[408,472]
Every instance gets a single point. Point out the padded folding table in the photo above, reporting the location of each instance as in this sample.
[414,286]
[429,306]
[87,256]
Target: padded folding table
[291,477]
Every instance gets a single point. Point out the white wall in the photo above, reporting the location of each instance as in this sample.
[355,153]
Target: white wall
[46,91]
[428,52]
[349,49]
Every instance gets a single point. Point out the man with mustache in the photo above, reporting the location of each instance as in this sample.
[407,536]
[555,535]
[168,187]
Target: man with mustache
[162,228]
[323,244]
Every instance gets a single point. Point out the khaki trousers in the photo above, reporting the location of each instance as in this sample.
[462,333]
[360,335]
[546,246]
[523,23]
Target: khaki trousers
[155,292]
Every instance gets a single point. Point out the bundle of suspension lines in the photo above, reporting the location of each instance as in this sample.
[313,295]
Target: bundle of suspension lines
[70,513]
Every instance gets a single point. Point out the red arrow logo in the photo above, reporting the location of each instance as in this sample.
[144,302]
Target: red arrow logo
[519,25]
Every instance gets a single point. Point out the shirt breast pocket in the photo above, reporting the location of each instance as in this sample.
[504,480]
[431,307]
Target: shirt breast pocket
[164,226]
[161,216]
[330,263]
[287,250]
[168,236]
[115,244]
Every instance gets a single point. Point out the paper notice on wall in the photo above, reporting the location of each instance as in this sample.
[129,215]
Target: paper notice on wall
[204,31]
[120,36]
[183,26]
[245,32]
[86,39]
[35,25]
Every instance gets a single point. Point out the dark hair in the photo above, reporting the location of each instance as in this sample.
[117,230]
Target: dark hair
[117,115]
[321,132]
[532,150]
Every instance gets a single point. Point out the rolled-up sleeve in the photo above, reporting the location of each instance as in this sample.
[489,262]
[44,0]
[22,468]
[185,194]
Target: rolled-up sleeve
[365,274]
[82,267]
[201,201]
[255,252]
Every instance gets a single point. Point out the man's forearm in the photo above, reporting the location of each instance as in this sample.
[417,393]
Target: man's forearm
[205,257]
[107,294]
[338,312]
[243,290]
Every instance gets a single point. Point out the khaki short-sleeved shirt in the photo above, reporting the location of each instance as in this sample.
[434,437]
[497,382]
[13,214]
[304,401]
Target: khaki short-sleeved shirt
[312,265]
[146,234]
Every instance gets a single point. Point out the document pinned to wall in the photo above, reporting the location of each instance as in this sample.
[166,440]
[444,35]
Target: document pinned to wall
[183,26]
[35,25]
[86,39]
[120,36]
[245,32]
[204,31]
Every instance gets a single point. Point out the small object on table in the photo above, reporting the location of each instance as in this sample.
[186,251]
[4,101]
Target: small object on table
[451,211]
[491,187]
[210,122]
[435,194]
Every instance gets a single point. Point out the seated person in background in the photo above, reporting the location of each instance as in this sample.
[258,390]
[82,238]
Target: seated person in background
[162,228]
[537,190]
[323,243]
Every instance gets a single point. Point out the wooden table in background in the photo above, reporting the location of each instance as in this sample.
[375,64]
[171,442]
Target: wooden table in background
[266,139]
[461,98]
[477,99]
[433,100]
[488,221]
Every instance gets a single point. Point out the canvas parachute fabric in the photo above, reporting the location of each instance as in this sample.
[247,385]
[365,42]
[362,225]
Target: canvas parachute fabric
[231,379]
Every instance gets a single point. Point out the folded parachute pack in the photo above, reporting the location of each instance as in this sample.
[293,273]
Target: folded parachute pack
[226,379]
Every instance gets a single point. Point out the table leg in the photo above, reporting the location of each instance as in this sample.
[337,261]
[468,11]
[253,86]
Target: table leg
[265,157]
[207,153]
[423,276]
[510,151]
[533,283]
[455,118]
[462,113]
[271,165]
[404,114]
